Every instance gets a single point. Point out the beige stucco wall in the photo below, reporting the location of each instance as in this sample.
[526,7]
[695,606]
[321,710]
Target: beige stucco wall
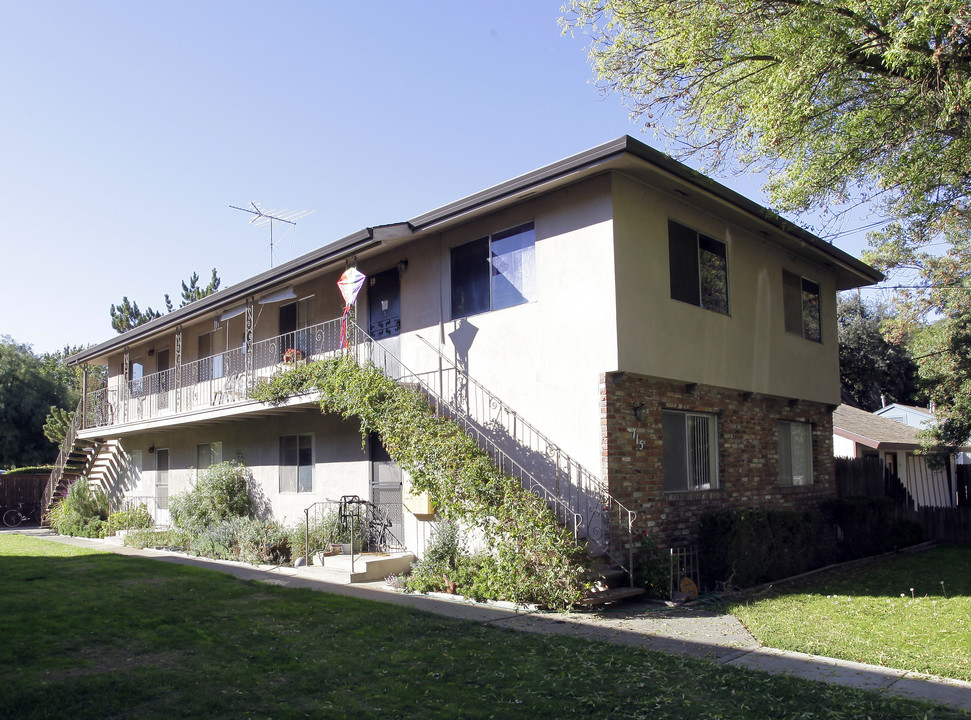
[748,349]
[543,358]
[340,465]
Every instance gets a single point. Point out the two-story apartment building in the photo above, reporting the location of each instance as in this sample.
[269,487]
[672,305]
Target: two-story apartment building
[653,344]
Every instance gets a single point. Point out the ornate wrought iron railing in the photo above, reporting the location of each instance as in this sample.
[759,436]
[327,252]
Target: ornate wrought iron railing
[221,379]
[369,350]
[484,413]
[577,497]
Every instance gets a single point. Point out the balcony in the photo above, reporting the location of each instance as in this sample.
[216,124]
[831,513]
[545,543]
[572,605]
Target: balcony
[208,384]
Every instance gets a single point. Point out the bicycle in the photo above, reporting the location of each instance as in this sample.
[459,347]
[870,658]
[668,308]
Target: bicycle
[24,511]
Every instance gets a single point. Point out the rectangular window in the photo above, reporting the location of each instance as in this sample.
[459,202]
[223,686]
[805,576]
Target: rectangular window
[795,453]
[162,478]
[207,455]
[690,452]
[800,299]
[296,463]
[494,272]
[699,268]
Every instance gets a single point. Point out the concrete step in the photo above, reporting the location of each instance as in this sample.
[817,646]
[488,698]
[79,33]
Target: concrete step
[367,567]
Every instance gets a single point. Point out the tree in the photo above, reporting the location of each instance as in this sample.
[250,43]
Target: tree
[27,391]
[192,291]
[865,98]
[127,315]
[866,101]
[873,369]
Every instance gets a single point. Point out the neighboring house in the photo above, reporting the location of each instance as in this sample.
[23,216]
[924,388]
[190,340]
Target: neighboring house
[655,345]
[907,414]
[917,417]
[857,433]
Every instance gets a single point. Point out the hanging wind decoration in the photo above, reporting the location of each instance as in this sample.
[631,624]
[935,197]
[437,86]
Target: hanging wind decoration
[350,285]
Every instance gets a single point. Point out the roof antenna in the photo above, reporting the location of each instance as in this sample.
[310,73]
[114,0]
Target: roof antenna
[261,217]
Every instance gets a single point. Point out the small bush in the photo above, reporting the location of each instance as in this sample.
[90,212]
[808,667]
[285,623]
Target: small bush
[157,539]
[652,566]
[81,512]
[134,517]
[742,548]
[221,492]
[436,571]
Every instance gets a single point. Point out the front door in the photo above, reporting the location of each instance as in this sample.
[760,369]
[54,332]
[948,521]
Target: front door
[384,305]
[386,490]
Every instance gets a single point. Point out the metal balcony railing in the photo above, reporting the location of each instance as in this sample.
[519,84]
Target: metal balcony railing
[577,497]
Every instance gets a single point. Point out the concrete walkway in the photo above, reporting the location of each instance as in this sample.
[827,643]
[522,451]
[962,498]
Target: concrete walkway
[683,630]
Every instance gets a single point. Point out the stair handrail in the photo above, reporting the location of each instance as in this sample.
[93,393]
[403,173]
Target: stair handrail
[63,455]
[499,457]
[551,448]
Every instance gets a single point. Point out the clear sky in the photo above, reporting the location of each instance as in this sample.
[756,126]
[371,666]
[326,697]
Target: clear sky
[129,128]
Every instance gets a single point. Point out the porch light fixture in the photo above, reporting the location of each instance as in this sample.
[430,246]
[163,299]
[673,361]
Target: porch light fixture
[641,412]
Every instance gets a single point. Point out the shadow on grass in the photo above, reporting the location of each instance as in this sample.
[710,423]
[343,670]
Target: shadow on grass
[104,635]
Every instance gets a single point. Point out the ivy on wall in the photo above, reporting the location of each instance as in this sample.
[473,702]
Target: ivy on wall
[537,559]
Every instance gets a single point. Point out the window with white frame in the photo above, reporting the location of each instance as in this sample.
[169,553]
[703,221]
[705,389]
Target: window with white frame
[800,300]
[296,463]
[690,454]
[699,268]
[795,453]
[207,455]
[494,272]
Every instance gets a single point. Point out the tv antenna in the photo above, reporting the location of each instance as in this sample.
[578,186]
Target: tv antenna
[263,217]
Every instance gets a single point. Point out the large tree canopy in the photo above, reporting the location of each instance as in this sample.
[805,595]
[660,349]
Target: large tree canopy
[842,101]
[873,368]
[843,98]
[29,387]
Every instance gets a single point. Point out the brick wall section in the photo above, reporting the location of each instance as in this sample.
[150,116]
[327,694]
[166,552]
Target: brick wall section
[747,446]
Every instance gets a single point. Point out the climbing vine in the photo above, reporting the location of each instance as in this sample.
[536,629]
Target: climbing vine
[536,559]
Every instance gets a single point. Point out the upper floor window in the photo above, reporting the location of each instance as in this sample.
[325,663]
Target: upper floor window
[795,453]
[494,272]
[699,268]
[690,450]
[800,299]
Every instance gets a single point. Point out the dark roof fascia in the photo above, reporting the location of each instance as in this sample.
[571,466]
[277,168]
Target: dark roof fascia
[334,252]
[601,156]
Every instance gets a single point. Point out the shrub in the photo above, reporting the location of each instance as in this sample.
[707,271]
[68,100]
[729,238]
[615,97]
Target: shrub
[220,493]
[652,566]
[746,547]
[157,539]
[133,517]
[81,512]
[436,571]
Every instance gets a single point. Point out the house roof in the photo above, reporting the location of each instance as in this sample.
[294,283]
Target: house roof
[872,430]
[909,408]
[625,155]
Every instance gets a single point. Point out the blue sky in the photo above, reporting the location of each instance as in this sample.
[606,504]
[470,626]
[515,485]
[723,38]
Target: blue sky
[130,128]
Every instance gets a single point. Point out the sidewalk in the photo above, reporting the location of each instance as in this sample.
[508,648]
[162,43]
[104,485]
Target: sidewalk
[682,630]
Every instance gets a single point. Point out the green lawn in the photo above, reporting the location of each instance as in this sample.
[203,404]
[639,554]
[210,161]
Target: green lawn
[98,635]
[892,612]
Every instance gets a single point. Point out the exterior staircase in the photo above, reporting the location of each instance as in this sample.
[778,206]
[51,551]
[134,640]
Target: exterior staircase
[576,496]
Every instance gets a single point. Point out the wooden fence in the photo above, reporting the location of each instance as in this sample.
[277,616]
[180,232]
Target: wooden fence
[867,477]
[22,488]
